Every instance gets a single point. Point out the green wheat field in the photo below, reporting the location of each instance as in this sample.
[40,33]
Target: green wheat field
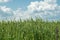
[29,30]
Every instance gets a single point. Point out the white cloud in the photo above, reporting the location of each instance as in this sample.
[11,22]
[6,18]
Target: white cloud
[5,9]
[41,6]
[4,0]
[5,13]
[47,9]
[20,14]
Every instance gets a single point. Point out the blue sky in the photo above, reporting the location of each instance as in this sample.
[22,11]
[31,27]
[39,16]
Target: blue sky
[18,3]
[21,3]
[25,9]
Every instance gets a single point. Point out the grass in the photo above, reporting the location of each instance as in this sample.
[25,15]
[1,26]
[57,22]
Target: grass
[29,30]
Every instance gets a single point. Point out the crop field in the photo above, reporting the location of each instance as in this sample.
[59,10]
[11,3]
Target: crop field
[29,30]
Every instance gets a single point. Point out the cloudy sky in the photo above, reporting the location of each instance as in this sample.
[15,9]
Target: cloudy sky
[25,9]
